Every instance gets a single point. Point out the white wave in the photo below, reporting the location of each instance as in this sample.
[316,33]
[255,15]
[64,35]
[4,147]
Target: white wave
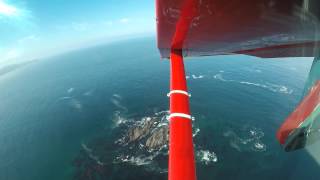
[89,152]
[280,88]
[268,86]
[88,93]
[64,98]
[162,113]
[118,119]
[141,146]
[187,77]
[207,157]
[146,119]
[220,77]
[70,90]
[254,70]
[259,146]
[76,104]
[120,141]
[256,84]
[235,146]
[86,148]
[271,87]
[139,160]
[249,138]
[164,117]
[197,77]
[117,103]
[163,171]
[162,124]
[196,132]
[117,96]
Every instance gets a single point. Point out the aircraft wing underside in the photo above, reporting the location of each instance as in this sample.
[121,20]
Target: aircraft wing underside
[263,28]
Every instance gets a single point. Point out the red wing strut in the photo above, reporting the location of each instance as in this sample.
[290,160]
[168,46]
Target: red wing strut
[181,153]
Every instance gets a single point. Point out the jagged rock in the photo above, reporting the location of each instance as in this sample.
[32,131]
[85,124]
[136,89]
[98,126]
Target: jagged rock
[158,138]
[138,132]
[147,133]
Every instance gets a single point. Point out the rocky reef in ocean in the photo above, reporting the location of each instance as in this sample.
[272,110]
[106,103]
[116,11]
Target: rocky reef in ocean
[136,145]
[148,133]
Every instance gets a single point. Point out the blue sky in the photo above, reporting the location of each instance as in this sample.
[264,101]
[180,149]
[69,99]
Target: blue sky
[37,28]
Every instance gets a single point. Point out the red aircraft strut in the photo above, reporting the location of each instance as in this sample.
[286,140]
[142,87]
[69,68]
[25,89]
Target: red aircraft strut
[181,153]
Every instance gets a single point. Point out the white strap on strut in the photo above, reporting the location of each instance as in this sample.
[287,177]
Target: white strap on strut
[187,116]
[178,92]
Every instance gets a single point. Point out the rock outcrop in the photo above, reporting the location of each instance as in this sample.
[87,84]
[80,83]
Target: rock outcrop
[158,138]
[148,133]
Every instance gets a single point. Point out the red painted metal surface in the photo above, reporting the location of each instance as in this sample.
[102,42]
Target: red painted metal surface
[304,109]
[181,152]
[211,27]
[188,12]
[304,49]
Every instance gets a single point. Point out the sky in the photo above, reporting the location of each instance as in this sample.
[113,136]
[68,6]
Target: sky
[32,29]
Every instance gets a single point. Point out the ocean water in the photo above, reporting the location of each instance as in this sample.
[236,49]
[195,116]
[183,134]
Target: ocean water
[60,116]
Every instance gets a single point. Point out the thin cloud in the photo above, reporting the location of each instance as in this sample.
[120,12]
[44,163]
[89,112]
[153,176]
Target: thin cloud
[108,23]
[83,26]
[124,20]
[28,39]
[11,54]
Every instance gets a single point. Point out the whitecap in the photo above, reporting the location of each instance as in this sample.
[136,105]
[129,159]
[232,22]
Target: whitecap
[76,104]
[235,146]
[259,146]
[197,77]
[254,84]
[70,90]
[271,87]
[64,98]
[247,139]
[139,160]
[88,93]
[90,154]
[196,131]
[279,88]
[117,96]
[117,103]
[162,124]
[162,113]
[268,86]
[86,148]
[207,157]
[118,119]
[220,77]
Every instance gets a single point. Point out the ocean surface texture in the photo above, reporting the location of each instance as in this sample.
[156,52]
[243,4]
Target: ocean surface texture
[65,117]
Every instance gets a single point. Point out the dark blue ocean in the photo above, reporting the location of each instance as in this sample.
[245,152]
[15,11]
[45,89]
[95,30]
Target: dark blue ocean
[59,116]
